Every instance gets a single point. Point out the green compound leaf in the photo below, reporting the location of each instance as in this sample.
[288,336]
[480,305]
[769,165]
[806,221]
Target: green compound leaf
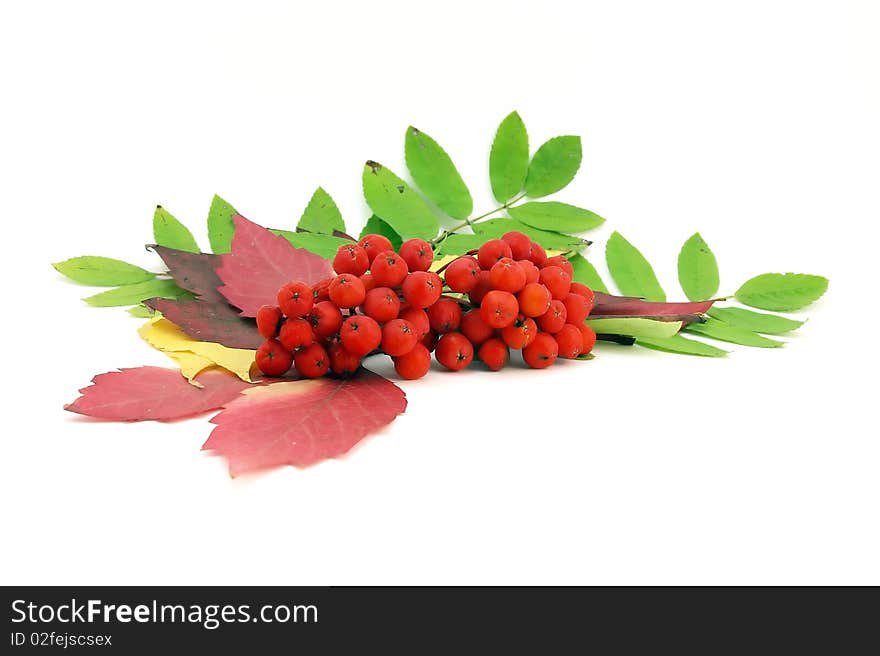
[769,324]
[220,225]
[585,272]
[376,226]
[559,217]
[681,345]
[697,269]
[460,244]
[509,158]
[321,214]
[782,292]
[436,175]
[102,271]
[168,231]
[392,199]
[323,245]
[719,330]
[494,228]
[554,165]
[635,327]
[133,294]
[630,270]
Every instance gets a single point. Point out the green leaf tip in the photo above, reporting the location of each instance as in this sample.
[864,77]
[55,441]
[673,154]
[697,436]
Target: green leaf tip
[509,158]
[631,272]
[220,225]
[391,198]
[698,269]
[98,271]
[782,292]
[553,166]
[435,174]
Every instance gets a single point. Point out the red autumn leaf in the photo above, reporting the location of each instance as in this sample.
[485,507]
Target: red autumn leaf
[608,305]
[260,263]
[155,393]
[209,321]
[303,422]
[194,272]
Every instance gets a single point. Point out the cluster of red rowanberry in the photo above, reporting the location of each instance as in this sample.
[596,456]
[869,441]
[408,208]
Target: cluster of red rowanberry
[381,301]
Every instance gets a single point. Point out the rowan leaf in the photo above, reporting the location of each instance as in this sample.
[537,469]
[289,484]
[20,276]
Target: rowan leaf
[100,271]
[634,327]
[324,246]
[260,263]
[769,324]
[585,272]
[209,321]
[457,244]
[435,174]
[220,225]
[376,226]
[494,228]
[140,291]
[141,312]
[301,423]
[630,270]
[697,269]
[321,214]
[168,231]
[193,272]
[155,393]
[509,158]
[391,198]
[553,166]
[719,330]
[681,345]
[555,216]
[782,292]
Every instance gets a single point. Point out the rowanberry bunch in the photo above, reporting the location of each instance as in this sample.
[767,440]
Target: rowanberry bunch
[506,295]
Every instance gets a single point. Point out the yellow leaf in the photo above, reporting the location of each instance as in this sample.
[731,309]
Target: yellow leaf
[192,355]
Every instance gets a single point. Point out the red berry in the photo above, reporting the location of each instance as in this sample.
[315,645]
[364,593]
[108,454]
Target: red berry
[360,334]
[374,244]
[462,274]
[569,341]
[414,364]
[351,258]
[273,359]
[347,290]
[295,299]
[268,318]
[429,341]
[576,307]
[419,319]
[295,333]
[454,351]
[563,263]
[474,328]
[494,354]
[388,269]
[399,336]
[312,361]
[531,270]
[422,288]
[382,304]
[542,352]
[321,290]
[507,275]
[519,243]
[418,254]
[343,362]
[534,299]
[499,309]
[589,337]
[483,287]
[492,251]
[554,318]
[520,333]
[369,282]
[537,255]
[326,319]
[582,290]
[556,280]
[444,316]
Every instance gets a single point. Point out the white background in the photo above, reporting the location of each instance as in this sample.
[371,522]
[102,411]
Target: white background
[753,122]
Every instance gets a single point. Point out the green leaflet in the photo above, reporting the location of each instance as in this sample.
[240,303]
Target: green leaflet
[782,292]
[398,205]
[682,345]
[133,294]
[459,244]
[321,214]
[553,166]
[323,245]
[168,231]
[635,327]
[630,270]
[220,225]
[586,273]
[494,228]
[141,312]
[376,226]
[697,269]
[509,158]
[102,271]
[769,324]
[436,175]
[559,217]
[719,330]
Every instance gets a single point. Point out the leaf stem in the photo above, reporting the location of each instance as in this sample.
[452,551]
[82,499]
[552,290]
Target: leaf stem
[469,222]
